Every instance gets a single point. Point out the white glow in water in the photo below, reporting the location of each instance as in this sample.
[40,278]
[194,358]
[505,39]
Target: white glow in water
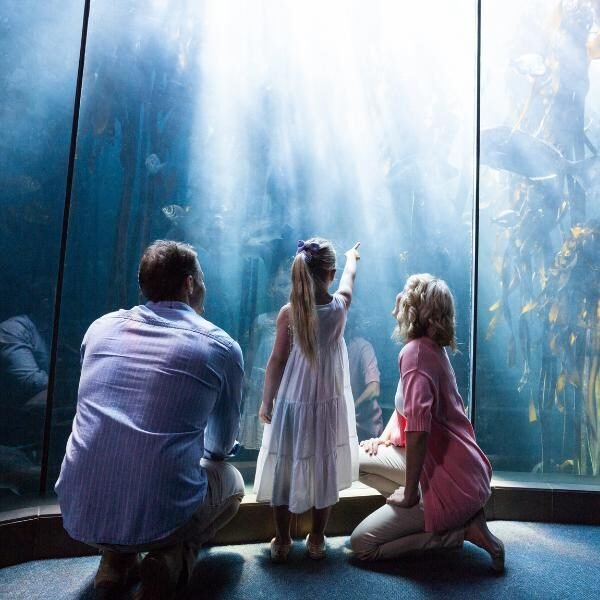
[337,94]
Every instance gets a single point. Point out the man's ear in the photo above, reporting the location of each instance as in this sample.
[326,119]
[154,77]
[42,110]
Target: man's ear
[189,285]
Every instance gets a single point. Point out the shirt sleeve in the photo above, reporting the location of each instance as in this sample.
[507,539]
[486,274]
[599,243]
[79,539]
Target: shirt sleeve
[369,361]
[224,420]
[419,395]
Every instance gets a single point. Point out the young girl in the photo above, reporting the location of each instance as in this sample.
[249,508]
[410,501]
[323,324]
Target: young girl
[309,450]
[444,474]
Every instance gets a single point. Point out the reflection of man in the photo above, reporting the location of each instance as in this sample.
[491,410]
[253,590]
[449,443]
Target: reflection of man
[364,378]
[23,363]
[158,409]
[23,383]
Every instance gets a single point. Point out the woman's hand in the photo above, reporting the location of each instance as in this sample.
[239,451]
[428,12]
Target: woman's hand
[371,446]
[402,499]
[353,252]
[266,412]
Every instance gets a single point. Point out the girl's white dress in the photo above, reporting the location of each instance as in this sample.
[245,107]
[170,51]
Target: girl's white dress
[310,450]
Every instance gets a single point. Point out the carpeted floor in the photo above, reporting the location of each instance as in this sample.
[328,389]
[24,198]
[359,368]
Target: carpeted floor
[543,561]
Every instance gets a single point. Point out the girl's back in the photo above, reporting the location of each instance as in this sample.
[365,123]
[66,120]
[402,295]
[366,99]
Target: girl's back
[324,382]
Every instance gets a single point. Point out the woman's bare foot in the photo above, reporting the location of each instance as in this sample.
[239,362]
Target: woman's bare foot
[477,532]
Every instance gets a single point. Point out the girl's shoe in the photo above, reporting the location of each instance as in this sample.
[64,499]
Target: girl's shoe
[279,552]
[316,551]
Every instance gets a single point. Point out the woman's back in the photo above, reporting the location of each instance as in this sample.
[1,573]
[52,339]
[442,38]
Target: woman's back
[456,473]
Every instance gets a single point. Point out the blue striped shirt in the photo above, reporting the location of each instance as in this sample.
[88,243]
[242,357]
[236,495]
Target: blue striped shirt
[160,387]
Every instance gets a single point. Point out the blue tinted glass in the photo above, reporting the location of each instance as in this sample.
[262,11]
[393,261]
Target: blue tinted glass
[39,53]
[538,395]
[241,129]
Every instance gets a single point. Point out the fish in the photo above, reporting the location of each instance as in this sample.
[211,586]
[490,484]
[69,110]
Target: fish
[153,164]
[495,306]
[532,65]
[553,314]
[174,212]
[20,185]
[513,150]
[507,218]
[261,240]
[528,307]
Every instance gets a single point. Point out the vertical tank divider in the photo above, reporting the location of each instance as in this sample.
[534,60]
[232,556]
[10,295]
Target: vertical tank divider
[475,272]
[62,255]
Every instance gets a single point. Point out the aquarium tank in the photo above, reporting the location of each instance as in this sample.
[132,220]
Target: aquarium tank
[444,143]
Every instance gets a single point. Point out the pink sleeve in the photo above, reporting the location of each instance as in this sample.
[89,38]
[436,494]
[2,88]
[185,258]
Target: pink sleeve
[369,360]
[418,393]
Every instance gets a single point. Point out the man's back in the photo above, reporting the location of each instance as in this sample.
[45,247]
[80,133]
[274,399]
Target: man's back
[160,387]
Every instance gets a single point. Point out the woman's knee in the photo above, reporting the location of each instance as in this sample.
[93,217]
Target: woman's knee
[363,544]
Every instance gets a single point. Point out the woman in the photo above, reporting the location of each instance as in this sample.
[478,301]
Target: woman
[446,476]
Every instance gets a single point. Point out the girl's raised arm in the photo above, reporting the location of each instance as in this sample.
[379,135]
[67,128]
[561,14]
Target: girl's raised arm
[347,279]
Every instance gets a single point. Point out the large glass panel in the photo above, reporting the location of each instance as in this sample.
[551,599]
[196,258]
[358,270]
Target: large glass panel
[39,52]
[242,127]
[538,390]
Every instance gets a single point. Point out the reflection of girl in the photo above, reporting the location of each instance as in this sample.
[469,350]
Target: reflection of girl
[307,453]
[441,455]
[263,338]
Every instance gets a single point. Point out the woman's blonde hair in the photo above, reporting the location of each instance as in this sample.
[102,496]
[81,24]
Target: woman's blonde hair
[314,259]
[425,307]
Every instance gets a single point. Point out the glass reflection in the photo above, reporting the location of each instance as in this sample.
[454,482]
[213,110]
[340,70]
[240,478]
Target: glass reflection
[39,52]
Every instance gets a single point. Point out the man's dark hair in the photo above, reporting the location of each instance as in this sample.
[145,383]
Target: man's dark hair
[164,266]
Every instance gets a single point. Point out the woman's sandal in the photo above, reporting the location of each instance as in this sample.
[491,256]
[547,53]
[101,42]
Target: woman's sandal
[316,551]
[279,552]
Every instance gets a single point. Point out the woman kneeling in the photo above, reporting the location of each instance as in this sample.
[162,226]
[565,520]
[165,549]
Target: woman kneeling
[441,456]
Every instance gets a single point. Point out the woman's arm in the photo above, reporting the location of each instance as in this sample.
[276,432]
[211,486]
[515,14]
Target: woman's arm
[416,448]
[347,278]
[418,394]
[276,364]
[370,446]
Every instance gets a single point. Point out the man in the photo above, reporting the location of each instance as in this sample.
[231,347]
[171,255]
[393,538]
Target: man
[158,410]
[364,379]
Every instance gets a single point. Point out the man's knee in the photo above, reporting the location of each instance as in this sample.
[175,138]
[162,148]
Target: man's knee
[238,487]
[230,480]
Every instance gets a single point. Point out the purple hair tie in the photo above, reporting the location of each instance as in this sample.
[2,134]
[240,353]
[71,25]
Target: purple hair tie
[309,250]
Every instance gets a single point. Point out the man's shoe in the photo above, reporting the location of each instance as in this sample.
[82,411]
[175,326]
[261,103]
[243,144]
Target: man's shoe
[116,571]
[160,572]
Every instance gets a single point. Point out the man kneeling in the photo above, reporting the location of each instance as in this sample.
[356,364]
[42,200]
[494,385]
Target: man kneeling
[158,410]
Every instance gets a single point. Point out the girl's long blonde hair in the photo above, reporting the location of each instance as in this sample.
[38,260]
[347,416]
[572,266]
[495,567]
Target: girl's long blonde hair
[314,260]
[425,307]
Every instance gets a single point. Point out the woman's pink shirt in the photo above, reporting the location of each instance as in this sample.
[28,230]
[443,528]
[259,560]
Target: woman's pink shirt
[456,475]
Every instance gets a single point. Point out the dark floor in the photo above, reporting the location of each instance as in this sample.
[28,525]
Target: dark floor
[543,561]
